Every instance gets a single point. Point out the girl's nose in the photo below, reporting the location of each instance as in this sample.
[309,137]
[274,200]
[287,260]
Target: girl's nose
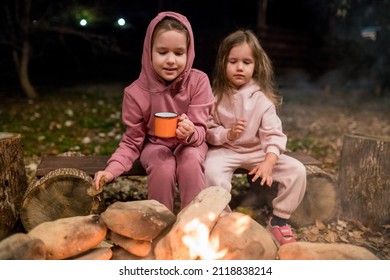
[170,58]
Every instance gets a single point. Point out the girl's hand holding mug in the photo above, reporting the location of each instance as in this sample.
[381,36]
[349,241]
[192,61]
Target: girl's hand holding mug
[185,127]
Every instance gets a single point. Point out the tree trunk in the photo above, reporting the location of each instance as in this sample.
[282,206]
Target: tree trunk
[62,193]
[261,14]
[22,68]
[364,179]
[13,181]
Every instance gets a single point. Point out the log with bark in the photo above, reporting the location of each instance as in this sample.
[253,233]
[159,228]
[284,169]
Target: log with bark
[320,202]
[62,193]
[13,181]
[364,179]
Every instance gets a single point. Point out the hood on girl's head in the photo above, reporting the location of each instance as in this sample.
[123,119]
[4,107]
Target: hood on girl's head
[148,77]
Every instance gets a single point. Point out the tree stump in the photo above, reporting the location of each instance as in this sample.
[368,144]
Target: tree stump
[62,193]
[364,179]
[13,181]
[321,200]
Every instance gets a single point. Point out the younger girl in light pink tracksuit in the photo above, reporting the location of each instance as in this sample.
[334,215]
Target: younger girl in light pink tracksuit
[244,130]
[167,83]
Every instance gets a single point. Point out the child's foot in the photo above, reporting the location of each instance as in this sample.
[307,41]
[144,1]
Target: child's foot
[281,234]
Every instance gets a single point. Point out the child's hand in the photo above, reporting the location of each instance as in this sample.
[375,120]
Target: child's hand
[102,178]
[237,129]
[185,127]
[264,170]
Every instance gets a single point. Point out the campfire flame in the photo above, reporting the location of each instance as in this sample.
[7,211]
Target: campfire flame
[196,238]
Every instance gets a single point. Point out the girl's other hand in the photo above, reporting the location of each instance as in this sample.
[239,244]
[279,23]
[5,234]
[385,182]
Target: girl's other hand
[237,129]
[101,178]
[185,127]
[264,170]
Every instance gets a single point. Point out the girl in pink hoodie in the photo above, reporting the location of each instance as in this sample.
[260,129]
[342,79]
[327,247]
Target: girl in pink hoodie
[167,83]
[244,130]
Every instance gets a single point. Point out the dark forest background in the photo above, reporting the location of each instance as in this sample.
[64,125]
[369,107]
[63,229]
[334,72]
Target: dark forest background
[335,41]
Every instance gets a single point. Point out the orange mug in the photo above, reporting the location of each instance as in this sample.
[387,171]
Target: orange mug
[165,124]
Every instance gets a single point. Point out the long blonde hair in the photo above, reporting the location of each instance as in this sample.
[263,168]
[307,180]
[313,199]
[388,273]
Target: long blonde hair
[263,73]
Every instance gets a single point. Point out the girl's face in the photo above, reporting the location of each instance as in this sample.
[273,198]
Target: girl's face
[169,54]
[240,65]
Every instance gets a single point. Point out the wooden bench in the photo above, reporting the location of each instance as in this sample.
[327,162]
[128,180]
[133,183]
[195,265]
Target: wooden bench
[94,163]
[61,182]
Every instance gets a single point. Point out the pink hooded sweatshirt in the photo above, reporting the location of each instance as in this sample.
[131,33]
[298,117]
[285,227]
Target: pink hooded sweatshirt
[263,128]
[189,93]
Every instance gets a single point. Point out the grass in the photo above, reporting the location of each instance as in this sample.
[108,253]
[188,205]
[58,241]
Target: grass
[80,119]
[73,120]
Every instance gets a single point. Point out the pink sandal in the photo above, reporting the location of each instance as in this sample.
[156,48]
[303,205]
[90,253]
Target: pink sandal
[281,235]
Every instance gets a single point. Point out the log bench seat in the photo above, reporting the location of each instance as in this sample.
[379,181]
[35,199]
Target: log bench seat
[59,190]
[92,164]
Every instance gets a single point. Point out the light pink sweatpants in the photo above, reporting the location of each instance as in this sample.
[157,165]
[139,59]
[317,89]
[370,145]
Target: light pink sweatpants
[166,169]
[290,173]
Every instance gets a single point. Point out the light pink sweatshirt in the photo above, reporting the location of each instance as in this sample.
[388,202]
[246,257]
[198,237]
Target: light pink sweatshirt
[189,93]
[263,129]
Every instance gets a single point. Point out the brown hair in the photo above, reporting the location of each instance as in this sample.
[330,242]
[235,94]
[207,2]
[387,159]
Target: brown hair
[263,73]
[169,23]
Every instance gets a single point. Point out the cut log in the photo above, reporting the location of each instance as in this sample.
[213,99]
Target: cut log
[321,200]
[61,193]
[364,179]
[13,181]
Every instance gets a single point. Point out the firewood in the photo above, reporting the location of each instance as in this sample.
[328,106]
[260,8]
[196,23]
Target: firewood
[95,254]
[152,218]
[21,246]
[71,236]
[324,251]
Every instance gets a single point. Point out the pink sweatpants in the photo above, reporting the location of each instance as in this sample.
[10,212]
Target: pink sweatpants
[166,169]
[290,173]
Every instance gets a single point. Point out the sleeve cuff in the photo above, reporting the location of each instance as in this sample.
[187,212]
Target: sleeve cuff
[273,149]
[115,168]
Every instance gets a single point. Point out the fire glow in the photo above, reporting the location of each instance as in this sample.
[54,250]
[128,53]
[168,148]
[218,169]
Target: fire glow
[205,246]
[196,237]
